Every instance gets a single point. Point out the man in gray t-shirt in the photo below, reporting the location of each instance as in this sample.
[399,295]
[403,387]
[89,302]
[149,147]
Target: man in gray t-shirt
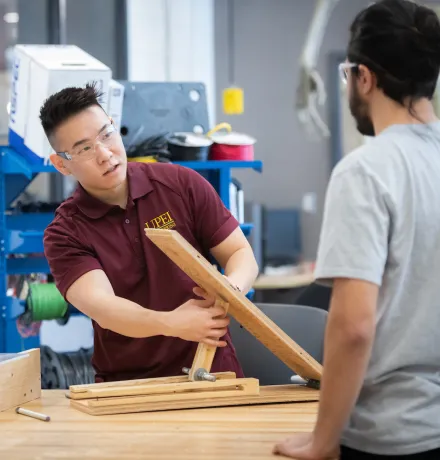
[380,250]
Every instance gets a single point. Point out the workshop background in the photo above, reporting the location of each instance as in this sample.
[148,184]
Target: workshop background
[253,47]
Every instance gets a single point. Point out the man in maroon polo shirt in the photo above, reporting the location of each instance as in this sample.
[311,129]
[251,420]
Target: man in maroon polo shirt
[148,316]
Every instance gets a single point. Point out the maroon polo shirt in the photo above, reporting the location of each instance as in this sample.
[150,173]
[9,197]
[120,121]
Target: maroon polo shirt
[87,234]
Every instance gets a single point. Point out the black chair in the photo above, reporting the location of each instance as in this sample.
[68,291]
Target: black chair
[305,325]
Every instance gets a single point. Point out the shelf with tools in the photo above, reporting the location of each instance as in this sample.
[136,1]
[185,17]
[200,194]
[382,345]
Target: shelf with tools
[21,233]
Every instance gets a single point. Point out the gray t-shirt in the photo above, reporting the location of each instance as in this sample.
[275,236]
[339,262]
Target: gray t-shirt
[382,224]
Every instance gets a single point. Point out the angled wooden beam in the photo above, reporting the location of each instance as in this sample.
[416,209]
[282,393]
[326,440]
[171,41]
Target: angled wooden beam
[188,259]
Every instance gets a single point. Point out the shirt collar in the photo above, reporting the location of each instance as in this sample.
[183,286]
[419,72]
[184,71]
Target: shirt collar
[139,185]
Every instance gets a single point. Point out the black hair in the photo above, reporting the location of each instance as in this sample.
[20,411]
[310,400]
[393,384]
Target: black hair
[68,102]
[399,41]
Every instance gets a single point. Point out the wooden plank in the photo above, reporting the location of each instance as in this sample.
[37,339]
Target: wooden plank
[182,388]
[152,381]
[225,389]
[276,394]
[20,379]
[205,353]
[244,311]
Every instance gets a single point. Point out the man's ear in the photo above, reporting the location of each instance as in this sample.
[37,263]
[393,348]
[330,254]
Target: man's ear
[58,163]
[366,80]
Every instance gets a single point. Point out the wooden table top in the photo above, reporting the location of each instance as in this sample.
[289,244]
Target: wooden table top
[237,433]
[290,281]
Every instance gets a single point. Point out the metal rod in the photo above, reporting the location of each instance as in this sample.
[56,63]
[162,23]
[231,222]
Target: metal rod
[62,10]
[31,413]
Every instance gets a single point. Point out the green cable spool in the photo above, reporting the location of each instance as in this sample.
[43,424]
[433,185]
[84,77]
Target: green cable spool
[45,302]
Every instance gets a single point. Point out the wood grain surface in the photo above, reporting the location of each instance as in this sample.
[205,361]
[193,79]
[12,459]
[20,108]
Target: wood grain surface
[20,379]
[188,259]
[236,433]
[252,394]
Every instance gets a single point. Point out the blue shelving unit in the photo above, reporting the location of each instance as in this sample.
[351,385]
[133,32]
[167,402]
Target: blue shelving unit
[21,234]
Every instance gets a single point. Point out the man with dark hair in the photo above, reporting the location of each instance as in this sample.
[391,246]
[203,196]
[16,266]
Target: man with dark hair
[147,314]
[380,250]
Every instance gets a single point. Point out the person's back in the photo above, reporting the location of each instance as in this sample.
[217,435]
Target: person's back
[399,404]
[379,249]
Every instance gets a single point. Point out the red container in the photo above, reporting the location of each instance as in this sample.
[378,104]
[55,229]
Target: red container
[231,152]
[230,146]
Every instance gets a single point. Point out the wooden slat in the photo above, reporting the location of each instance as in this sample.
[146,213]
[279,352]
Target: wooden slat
[267,395]
[182,389]
[152,381]
[244,311]
[20,379]
[205,353]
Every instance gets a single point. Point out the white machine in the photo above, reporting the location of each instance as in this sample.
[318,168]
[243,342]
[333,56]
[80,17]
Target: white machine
[39,71]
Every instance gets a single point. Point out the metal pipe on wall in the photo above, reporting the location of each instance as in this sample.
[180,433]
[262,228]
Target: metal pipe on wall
[62,13]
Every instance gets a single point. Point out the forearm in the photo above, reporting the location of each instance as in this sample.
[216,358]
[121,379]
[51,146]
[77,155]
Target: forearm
[345,363]
[242,269]
[127,318]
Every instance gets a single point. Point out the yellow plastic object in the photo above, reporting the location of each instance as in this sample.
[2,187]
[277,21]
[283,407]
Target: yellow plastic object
[233,101]
[143,159]
[218,127]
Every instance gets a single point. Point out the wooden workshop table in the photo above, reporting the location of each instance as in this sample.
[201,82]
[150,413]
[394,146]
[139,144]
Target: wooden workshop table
[236,433]
[284,281]
[283,289]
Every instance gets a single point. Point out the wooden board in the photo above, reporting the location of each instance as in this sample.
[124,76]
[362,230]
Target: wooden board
[141,382]
[20,379]
[205,353]
[240,307]
[268,395]
[158,392]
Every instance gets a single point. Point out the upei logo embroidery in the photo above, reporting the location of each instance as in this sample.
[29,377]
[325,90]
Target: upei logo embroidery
[163,222]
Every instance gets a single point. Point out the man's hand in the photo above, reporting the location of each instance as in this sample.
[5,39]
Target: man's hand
[302,446]
[199,321]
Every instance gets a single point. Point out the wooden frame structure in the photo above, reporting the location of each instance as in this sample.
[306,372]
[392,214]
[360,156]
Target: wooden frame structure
[200,388]
[20,378]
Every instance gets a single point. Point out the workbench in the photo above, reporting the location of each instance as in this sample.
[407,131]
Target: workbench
[281,289]
[239,433]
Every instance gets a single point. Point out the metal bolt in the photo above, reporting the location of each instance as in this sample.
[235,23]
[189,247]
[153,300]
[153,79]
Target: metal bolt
[201,374]
[209,377]
[4,307]
[3,315]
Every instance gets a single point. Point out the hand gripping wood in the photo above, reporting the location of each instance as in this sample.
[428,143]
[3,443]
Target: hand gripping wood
[241,308]
[205,353]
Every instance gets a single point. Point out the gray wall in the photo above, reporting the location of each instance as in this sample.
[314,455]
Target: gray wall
[33,24]
[269,36]
[93,26]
